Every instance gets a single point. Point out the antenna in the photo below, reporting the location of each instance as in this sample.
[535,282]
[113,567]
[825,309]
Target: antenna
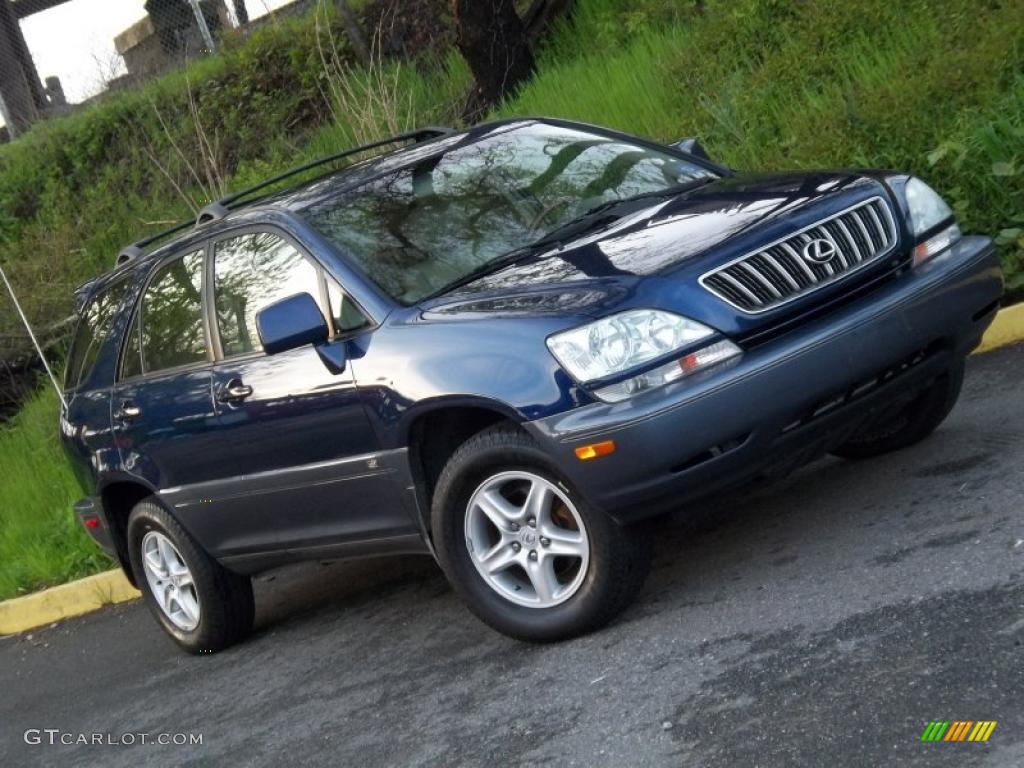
[35,342]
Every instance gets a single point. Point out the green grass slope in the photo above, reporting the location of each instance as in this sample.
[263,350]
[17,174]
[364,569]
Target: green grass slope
[41,543]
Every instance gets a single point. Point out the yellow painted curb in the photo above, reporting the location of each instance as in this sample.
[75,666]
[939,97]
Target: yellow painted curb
[64,601]
[1007,328]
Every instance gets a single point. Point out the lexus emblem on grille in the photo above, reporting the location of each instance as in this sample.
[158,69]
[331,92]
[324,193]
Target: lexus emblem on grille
[820,251]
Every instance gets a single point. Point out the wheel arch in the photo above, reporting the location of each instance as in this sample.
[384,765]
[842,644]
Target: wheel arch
[119,497]
[436,431]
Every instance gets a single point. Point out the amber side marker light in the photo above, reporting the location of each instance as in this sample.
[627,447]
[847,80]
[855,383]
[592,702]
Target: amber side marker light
[594,450]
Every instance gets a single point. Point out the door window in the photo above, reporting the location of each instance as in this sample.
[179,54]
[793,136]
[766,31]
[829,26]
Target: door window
[131,360]
[96,320]
[250,272]
[344,313]
[172,316]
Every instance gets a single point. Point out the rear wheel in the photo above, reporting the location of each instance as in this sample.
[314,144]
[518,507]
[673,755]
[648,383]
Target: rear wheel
[199,603]
[528,555]
[908,423]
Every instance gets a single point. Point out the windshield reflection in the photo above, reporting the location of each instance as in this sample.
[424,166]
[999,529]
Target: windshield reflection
[419,228]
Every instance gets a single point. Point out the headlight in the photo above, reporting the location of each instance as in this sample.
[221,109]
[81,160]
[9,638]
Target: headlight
[927,211]
[622,342]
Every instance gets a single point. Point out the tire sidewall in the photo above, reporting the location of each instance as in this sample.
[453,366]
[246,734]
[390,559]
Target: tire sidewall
[920,417]
[149,516]
[451,499]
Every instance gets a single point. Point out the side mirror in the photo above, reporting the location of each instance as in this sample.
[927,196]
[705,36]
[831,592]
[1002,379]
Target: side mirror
[291,323]
[693,147]
[295,322]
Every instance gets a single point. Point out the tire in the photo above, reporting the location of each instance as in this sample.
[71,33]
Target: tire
[593,585]
[215,612]
[910,423]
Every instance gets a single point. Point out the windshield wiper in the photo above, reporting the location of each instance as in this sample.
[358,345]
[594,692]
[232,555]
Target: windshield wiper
[591,217]
[489,266]
[673,190]
[572,228]
[589,220]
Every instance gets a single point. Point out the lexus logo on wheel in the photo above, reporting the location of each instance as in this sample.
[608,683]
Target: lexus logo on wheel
[820,251]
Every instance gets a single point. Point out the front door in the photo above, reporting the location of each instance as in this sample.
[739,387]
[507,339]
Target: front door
[300,461]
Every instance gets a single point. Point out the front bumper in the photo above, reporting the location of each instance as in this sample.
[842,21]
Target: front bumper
[787,400]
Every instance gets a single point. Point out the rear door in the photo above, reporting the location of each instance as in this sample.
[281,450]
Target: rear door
[300,462]
[162,411]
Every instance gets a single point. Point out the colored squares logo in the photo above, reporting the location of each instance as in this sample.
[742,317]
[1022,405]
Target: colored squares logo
[958,730]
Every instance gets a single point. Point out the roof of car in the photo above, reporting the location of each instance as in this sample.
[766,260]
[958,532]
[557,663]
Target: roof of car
[218,215]
[222,213]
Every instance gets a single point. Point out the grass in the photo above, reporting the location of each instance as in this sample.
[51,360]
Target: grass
[41,543]
[935,87]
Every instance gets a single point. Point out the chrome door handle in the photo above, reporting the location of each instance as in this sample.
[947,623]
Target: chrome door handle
[127,412]
[234,391]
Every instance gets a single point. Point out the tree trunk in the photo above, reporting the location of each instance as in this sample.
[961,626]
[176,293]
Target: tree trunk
[492,39]
[354,32]
[540,14]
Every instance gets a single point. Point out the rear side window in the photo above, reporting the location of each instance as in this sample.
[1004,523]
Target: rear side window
[95,323]
[250,272]
[171,318]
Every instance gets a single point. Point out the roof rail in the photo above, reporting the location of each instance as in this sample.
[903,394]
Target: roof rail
[421,134]
[218,209]
[212,212]
[135,250]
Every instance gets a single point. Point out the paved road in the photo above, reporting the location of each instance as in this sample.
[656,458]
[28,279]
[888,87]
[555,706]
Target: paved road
[819,621]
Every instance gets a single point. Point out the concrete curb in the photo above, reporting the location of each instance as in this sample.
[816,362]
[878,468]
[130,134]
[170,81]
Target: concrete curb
[92,593]
[64,601]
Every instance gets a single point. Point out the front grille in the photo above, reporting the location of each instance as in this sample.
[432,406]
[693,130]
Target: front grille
[781,272]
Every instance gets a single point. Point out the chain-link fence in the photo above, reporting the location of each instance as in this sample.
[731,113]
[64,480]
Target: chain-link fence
[55,54]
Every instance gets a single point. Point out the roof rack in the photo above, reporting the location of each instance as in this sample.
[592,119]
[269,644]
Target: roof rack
[133,251]
[218,209]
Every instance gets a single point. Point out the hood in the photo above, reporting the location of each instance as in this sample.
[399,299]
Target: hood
[699,228]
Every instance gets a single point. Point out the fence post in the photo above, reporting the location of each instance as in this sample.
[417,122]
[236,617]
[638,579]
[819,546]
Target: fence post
[20,89]
[201,21]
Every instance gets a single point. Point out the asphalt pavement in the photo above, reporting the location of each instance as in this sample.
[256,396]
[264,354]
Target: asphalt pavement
[820,620]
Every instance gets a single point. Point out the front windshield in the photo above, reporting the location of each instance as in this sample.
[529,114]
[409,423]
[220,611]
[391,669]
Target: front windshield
[421,228]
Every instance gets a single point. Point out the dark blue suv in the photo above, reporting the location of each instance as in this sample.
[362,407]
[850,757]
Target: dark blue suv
[505,348]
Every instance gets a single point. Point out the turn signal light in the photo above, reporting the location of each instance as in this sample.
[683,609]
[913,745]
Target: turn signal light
[936,244]
[594,450]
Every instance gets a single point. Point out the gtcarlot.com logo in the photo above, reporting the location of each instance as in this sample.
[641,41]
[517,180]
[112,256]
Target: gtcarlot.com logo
[958,730]
[55,736]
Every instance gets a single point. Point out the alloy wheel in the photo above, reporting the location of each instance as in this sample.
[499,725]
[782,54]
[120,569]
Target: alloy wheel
[527,539]
[170,581]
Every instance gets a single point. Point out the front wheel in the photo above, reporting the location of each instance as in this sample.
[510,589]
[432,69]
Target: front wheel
[528,555]
[199,603]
